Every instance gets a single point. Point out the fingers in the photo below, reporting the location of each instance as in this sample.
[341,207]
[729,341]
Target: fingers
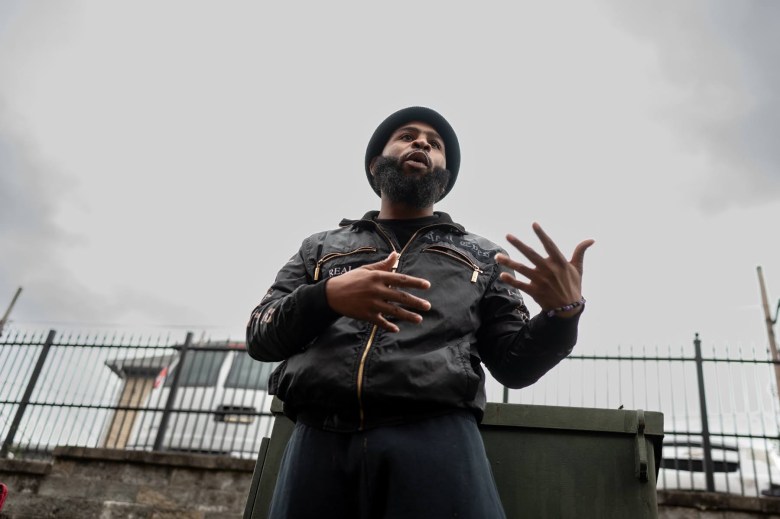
[516,266]
[527,251]
[552,250]
[389,301]
[385,265]
[402,280]
[548,244]
[380,321]
[578,256]
[549,279]
[511,280]
[405,299]
[505,260]
[386,309]
[391,310]
[388,277]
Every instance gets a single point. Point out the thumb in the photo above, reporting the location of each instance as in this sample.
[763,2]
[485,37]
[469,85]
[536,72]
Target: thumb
[385,264]
[578,257]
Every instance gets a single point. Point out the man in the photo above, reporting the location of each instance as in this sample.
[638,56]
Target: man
[383,326]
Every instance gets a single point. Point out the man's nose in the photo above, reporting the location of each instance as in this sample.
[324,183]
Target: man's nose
[422,144]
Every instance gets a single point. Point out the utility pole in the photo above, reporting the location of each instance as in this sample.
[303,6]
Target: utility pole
[8,311]
[770,327]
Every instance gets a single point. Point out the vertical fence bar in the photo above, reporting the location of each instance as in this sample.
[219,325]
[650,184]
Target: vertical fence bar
[674,416]
[17,364]
[158,442]
[27,394]
[632,377]
[753,441]
[211,369]
[621,394]
[705,428]
[149,415]
[721,428]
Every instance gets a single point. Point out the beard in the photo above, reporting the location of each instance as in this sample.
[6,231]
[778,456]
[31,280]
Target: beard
[418,191]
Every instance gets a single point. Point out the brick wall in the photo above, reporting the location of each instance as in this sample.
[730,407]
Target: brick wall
[107,483]
[706,505]
[110,484]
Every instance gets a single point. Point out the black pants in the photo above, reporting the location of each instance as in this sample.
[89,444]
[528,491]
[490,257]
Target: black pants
[431,468]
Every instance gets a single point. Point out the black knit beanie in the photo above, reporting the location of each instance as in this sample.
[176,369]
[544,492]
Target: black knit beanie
[406,115]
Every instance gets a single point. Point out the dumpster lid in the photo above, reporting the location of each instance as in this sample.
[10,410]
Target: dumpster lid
[572,418]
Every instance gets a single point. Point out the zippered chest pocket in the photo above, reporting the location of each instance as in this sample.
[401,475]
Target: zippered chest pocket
[326,267]
[454,254]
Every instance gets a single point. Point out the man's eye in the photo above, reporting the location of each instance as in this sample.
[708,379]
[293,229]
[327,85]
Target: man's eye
[406,137]
[436,144]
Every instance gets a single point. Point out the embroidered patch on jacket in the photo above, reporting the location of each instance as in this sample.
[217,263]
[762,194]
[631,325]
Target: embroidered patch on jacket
[330,270]
[436,236]
[268,315]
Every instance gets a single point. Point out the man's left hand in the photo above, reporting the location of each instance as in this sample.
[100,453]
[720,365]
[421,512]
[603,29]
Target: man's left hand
[554,281]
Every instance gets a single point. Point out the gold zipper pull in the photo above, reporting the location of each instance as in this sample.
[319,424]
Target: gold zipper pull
[397,261]
[474,275]
[317,271]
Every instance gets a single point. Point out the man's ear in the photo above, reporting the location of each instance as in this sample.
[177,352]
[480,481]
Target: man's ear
[371,165]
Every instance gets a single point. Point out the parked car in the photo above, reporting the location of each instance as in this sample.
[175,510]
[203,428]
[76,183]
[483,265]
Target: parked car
[743,467]
[221,403]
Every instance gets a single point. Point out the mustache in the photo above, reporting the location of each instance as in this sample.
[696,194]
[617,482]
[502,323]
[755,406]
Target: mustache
[424,154]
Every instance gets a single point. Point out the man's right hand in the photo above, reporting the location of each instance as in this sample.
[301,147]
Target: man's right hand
[371,292]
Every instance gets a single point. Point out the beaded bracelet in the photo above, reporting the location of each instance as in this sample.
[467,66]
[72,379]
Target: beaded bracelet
[566,308]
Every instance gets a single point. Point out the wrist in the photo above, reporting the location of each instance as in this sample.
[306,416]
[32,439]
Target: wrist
[569,313]
[569,310]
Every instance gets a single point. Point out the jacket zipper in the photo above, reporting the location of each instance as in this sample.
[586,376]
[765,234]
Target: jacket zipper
[332,255]
[372,336]
[457,256]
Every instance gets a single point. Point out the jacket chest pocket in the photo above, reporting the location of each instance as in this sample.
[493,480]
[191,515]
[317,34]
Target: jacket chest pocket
[334,256]
[471,269]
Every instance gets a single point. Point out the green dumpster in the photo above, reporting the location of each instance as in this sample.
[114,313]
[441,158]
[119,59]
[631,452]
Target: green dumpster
[549,462]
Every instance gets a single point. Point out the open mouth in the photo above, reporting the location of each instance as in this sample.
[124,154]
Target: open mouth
[419,159]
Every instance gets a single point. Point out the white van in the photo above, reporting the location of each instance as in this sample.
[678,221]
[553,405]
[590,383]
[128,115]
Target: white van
[740,467]
[221,404]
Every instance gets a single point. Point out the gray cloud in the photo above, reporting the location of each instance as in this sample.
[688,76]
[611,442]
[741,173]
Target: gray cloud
[32,244]
[721,58]
[30,191]
[34,191]
[29,237]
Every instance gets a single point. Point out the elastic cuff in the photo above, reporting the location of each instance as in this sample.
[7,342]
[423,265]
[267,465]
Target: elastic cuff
[313,303]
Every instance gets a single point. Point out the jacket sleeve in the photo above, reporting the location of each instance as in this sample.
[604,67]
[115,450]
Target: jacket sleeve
[518,349]
[292,313]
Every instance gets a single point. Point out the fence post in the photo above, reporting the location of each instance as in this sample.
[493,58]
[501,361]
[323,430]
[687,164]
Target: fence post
[158,442]
[9,440]
[705,427]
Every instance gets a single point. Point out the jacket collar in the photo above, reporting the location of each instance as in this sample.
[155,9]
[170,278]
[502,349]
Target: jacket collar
[369,220]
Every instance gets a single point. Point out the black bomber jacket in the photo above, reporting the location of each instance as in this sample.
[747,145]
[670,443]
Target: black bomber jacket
[342,374]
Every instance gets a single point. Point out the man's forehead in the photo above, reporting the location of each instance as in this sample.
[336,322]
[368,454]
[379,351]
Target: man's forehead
[418,127]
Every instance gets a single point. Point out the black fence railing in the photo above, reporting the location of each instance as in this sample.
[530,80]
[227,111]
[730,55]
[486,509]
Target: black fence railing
[720,409]
[131,393]
[720,405]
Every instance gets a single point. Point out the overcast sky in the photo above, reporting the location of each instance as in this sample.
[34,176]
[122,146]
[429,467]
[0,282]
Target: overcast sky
[159,161]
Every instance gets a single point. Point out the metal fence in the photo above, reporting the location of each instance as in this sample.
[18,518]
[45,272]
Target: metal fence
[720,405]
[130,392]
[720,409]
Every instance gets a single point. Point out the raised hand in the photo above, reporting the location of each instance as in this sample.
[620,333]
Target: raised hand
[553,281]
[371,292]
